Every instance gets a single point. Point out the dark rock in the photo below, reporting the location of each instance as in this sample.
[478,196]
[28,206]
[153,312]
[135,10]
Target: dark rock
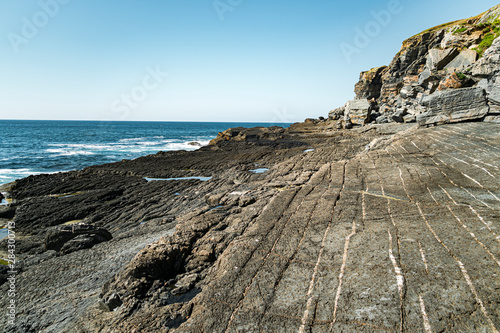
[70,238]
[370,83]
[398,116]
[337,113]
[374,115]
[112,302]
[3,274]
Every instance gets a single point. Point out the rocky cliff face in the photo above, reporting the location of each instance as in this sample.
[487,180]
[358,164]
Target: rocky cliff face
[419,80]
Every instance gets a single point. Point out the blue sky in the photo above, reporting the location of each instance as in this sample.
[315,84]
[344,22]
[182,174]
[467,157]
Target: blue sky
[199,60]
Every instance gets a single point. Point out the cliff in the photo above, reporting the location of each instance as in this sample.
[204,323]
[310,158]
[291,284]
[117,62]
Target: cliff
[418,82]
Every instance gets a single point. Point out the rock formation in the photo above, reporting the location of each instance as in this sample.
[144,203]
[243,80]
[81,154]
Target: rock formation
[459,54]
[363,222]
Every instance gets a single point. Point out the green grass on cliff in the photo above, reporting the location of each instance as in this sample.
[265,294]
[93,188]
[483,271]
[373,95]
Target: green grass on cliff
[4,262]
[465,23]
[492,31]
[460,30]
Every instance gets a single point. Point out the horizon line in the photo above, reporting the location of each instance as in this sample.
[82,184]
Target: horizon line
[155,121]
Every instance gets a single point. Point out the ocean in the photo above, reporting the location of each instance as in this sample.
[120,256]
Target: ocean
[30,147]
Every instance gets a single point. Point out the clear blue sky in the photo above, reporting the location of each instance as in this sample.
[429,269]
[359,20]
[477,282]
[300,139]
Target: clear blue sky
[227,60]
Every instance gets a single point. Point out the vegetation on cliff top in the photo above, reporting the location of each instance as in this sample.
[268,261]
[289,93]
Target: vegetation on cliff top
[491,18]
[492,31]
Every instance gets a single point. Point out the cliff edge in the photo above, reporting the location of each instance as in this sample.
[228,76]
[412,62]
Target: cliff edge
[445,74]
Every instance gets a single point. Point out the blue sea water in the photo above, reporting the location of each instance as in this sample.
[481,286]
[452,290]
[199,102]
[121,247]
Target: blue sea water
[29,147]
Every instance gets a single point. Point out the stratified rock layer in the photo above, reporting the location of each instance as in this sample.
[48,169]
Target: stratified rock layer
[367,232]
[453,106]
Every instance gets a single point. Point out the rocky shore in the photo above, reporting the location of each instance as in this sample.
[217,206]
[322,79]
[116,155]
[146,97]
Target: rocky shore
[385,216]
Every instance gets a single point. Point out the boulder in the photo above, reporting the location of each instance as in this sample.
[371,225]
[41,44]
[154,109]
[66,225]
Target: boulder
[452,106]
[70,238]
[437,59]
[453,81]
[358,111]
[409,118]
[398,116]
[382,120]
[337,113]
[462,61]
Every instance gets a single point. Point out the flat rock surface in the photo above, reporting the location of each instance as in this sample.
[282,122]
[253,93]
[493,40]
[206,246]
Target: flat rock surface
[359,231]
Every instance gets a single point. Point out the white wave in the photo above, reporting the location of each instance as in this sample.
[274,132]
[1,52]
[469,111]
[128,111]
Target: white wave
[67,152]
[148,143]
[13,171]
[82,146]
[133,139]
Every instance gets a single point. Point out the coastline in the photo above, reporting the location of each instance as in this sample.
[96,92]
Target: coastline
[383,217]
[179,247]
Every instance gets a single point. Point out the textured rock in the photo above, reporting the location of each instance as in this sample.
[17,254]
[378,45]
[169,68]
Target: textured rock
[494,99]
[337,113]
[70,238]
[370,83]
[489,64]
[358,111]
[492,119]
[453,81]
[399,116]
[463,61]
[389,227]
[437,59]
[454,106]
